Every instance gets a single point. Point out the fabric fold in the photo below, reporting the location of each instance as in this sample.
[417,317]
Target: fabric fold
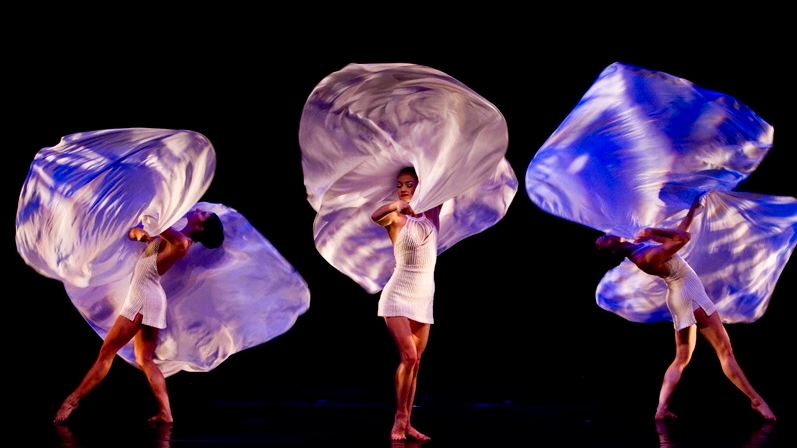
[79,201]
[638,147]
[362,124]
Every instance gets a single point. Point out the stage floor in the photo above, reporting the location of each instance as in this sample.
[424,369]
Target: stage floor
[335,419]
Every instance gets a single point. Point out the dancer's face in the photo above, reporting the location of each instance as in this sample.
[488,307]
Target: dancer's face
[607,242]
[405,186]
[197,216]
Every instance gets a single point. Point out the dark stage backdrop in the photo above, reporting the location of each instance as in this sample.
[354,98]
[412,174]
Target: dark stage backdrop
[515,309]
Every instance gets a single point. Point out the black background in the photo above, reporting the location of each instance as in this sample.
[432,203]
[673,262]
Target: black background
[515,312]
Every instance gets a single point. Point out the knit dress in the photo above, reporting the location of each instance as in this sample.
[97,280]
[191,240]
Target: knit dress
[146,295]
[410,290]
[685,292]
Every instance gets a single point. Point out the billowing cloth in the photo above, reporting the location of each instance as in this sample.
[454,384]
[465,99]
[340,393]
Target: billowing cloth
[635,151]
[740,244]
[220,301]
[82,195]
[81,198]
[362,124]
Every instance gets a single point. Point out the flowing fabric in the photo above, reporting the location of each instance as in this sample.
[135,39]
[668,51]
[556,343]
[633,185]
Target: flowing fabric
[79,201]
[362,124]
[740,244]
[635,151]
[82,195]
[220,301]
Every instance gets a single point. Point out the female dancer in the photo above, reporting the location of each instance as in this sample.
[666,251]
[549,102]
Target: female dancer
[406,300]
[144,311]
[655,252]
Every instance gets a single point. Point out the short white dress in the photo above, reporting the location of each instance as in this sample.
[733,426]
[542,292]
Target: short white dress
[146,295]
[410,290]
[685,293]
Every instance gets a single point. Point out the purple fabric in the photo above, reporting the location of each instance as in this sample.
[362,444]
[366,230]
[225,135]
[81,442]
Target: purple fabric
[634,152]
[362,124]
[79,201]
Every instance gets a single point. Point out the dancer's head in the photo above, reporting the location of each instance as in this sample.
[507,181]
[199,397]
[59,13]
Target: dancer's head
[608,243]
[206,228]
[609,250]
[406,182]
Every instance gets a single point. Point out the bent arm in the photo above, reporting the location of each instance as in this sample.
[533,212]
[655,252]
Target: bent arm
[662,235]
[678,235]
[176,247]
[138,234]
[176,239]
[385,214]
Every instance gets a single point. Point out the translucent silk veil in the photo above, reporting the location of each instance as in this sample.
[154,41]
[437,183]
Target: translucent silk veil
[79,200]
[634,152]
[361,124]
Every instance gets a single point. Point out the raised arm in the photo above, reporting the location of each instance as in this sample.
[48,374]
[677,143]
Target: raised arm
[176,239]
[177,245]
[690,215]
[671,240]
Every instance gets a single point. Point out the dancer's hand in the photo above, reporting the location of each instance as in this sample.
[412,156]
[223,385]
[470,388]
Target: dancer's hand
[139,234]
[643,235]
[404,207]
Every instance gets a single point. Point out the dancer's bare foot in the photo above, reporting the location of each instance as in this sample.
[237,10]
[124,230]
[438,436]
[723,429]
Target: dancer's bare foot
[417,435]
[161,417]
[63,412]
[398,433]
[763,409]
[665,414]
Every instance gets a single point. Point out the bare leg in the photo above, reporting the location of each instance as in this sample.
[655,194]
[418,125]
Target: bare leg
[685,340]
[712,329]
[120,334]
[411,338]
[145,343]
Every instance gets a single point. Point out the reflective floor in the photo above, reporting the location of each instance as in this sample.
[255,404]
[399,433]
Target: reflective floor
[338,421]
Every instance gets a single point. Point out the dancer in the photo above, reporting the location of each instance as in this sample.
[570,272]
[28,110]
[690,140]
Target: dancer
[655,252]
[144,311]
[359,127]
[407,298]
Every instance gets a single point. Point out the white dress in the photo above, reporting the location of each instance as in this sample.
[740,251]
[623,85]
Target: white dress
[685,293]
[146,295]
[410,290]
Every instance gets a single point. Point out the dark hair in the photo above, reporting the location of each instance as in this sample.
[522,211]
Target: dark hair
[608,257]
[407,170]
[212,234]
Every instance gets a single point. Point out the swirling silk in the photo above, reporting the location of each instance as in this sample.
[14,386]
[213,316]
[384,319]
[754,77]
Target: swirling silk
[634,152]
[82,195]
[220,301]
[361,124]
[77,204]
